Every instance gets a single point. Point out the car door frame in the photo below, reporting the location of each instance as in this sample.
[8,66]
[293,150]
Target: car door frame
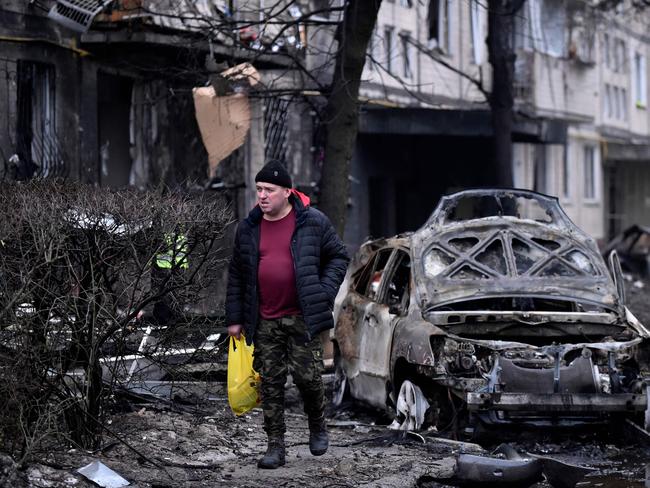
[376,333]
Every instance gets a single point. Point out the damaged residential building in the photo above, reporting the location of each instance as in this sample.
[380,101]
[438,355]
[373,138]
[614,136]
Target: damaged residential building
[102,91]
[93,105]
[581,123]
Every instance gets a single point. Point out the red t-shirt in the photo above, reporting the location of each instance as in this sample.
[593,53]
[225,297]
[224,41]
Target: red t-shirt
[276,275]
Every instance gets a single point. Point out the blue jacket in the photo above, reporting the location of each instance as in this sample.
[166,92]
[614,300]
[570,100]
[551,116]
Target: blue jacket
[320,261]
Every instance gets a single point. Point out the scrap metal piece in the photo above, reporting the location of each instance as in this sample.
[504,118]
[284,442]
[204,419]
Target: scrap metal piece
[560,402]
[562,475]
[77,14]
[480,471]
[102,475]
[557,473]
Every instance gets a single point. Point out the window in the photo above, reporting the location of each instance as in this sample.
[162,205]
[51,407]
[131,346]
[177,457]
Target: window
[620,56]
[539,183]
[608,104]
[615,103]
[439,25]
[370,277]
[397,290]
[640,84]
[616,97]
[607,51]
[407,60]
[566,177]
[406,3]
[372,55]
[476,25]
[388,48]
[37,144]
[549,19]
[589,173]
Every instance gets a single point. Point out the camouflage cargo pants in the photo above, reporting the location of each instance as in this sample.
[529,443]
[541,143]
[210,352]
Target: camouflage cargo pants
[282,346]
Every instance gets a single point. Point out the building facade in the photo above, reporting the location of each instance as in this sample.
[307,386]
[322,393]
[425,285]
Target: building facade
[581,122]
[110,102]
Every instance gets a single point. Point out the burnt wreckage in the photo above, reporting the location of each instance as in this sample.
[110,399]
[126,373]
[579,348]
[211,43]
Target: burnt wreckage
[499,304]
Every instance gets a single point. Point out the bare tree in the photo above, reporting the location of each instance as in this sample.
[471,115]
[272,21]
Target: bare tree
[76,266]
[501,22]
[341,113]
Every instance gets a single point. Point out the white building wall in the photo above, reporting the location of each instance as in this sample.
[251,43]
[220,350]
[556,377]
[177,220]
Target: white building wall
[570,76]
[437,84]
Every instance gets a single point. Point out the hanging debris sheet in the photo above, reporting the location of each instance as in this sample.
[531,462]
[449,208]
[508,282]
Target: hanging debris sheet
[224,117]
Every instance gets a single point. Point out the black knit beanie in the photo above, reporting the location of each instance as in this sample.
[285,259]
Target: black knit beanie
[274,172]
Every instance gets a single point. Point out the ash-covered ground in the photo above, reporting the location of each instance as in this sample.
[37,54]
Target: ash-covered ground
[157,445]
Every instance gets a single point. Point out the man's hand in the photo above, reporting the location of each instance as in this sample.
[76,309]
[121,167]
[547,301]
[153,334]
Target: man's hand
[234,330]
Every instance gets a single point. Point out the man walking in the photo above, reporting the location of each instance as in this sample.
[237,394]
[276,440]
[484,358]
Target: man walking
[286,269]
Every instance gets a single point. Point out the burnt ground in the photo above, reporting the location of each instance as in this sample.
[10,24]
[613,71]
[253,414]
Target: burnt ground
[215,448]
[161,445]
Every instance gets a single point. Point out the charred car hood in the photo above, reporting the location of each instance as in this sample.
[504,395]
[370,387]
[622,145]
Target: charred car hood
[507,243]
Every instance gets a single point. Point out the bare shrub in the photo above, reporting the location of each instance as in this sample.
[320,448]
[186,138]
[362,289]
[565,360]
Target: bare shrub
[75,277]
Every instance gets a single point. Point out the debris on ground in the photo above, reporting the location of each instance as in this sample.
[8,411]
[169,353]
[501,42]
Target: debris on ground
[102,475]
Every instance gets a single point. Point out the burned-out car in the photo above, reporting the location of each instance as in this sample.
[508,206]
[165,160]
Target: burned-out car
[498,310]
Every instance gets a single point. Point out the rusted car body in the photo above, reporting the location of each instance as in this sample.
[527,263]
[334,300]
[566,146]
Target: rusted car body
[498,305]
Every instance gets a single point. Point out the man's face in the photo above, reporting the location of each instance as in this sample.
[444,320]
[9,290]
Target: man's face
[272,199]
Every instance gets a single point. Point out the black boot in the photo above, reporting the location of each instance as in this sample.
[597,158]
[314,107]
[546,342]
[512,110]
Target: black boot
[318,438]
[275,455]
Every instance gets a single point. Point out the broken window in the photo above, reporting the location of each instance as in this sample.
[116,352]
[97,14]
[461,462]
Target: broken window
[439,25]
[398,285]
[370,278]
[37,145]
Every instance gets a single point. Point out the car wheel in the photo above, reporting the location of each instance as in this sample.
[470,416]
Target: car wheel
[410,408]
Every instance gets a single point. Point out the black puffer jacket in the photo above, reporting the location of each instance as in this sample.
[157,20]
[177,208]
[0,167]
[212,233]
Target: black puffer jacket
[320,261]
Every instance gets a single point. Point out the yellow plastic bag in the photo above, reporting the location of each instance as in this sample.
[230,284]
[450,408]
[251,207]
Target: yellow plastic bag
[243,381]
